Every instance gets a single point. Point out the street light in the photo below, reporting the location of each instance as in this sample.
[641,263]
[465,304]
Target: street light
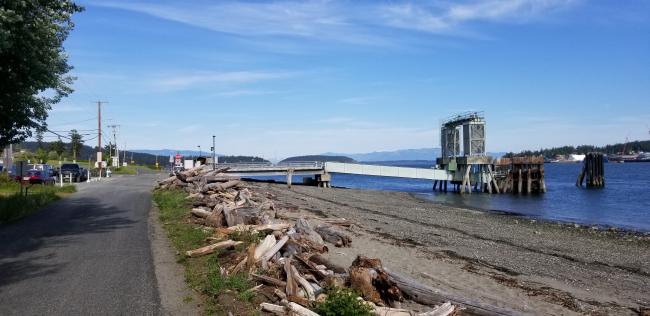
[214,156]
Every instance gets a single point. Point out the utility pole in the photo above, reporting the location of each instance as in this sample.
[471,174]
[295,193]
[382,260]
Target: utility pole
[214,156]
[99,136]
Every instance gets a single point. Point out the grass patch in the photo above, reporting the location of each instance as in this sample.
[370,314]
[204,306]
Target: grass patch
[221,294]
[14,206]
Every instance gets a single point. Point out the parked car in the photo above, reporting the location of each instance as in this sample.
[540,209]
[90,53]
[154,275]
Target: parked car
[72,171]
[35,176]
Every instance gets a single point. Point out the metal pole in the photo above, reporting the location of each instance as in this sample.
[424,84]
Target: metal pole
[214,156]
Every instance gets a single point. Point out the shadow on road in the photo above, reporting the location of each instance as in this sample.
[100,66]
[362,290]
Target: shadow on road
[28,248]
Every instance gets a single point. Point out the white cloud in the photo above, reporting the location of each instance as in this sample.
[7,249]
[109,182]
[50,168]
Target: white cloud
[350,22]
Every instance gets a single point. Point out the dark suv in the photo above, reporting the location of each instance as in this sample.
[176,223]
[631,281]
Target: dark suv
[73,171]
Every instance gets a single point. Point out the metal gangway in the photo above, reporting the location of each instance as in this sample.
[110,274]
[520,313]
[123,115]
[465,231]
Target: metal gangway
[321,171]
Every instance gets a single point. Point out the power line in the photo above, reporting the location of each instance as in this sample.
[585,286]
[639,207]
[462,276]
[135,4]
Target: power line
[75,122]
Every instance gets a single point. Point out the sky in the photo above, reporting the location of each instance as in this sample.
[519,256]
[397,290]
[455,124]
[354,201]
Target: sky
[283,78]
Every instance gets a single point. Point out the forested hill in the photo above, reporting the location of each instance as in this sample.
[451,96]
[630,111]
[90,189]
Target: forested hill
[322,158]
[634,146]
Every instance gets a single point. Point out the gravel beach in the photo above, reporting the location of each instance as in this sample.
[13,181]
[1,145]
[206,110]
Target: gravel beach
[530,266]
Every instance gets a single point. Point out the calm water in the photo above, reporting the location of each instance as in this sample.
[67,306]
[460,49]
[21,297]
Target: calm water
[624,202]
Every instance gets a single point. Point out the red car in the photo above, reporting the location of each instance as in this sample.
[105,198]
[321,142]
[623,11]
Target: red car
[35,176]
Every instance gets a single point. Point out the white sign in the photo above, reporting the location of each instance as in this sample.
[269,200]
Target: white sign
[102,163]
[99,156]
[188,164]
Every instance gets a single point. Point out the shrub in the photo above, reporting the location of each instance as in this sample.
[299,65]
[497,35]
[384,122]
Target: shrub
[343,302]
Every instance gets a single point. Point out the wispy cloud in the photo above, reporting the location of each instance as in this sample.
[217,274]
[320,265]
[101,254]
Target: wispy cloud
[356,100]
[244,92]
[181,81]
[366,23]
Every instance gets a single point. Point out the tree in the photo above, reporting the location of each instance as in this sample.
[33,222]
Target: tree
[76,142]
[58,147]
[41,155]
[33,63]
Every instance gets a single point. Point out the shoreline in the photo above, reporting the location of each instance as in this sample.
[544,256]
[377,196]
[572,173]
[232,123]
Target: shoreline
[594,226]
[620,229]
[529,265]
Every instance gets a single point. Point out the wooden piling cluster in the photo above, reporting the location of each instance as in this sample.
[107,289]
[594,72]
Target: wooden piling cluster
[483,174]
[521,174]
[593,169]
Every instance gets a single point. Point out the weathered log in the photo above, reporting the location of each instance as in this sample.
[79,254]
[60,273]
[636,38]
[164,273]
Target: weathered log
[302,227]
[220,178]
[168,180]
[269,280]
[333,236]
[299,310]
[243,216]
[259,228]
[199,212]
[427,295]
[442,310]
[212,248]
[274,309]
[312,266]
[318,259]
[271,252]
[239,266]
[268,243]
[389,311]
[292,286]
[220,186]
[309,290]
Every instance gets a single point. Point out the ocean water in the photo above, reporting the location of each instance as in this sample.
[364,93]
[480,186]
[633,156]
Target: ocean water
[624,202]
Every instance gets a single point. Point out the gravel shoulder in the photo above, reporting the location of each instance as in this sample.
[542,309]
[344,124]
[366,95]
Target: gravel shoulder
[509,261]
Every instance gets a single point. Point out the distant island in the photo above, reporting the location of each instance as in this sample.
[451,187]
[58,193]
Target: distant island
[321,158]
[620,148]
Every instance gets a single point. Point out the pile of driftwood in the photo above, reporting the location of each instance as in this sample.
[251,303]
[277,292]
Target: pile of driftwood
[287,259]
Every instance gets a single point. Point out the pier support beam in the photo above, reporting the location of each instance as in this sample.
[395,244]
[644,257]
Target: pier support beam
[289,177]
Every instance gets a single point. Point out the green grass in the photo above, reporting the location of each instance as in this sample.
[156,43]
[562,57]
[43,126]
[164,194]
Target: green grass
[14,206]
[202,273]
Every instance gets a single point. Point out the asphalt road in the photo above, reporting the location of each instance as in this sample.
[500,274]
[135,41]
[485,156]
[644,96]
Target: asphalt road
[87,254]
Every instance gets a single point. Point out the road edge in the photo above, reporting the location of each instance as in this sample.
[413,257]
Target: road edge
[170,276]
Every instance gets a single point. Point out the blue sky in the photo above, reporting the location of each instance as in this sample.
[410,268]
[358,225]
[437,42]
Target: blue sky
[283,78]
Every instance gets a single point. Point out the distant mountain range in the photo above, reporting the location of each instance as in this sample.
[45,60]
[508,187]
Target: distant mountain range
[323,158]
[400,155]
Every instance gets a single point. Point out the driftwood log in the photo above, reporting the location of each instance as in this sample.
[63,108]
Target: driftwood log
[427,295]
[333,236]
[269,280]
[212,248]
[309,290]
